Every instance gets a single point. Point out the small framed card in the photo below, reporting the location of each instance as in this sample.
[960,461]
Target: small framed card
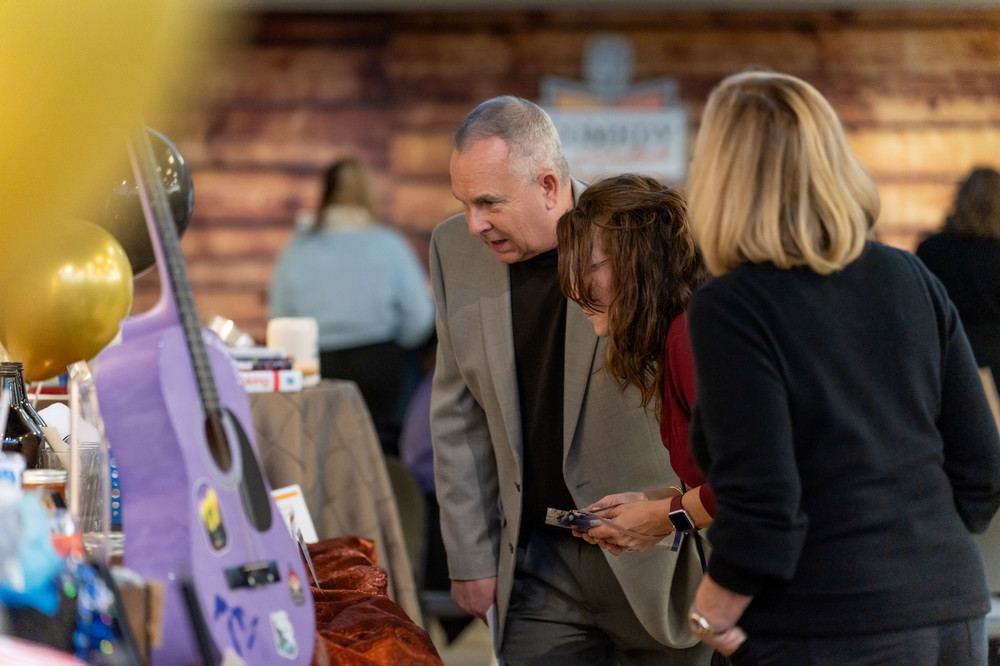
[292,505]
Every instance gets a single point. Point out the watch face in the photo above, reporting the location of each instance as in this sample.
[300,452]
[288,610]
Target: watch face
[681,520]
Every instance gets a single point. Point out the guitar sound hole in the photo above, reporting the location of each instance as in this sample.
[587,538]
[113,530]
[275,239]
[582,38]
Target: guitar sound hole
[218,443]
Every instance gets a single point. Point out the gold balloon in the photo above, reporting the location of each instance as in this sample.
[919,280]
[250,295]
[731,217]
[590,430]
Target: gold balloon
[64,295]
[78,78]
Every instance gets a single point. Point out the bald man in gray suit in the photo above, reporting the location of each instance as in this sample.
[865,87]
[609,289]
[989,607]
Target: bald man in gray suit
[522,420]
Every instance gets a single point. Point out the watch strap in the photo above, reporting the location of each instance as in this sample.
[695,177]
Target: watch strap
[679,517]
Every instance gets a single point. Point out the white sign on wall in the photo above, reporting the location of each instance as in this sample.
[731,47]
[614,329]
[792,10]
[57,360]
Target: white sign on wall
[609,125]
[613,141]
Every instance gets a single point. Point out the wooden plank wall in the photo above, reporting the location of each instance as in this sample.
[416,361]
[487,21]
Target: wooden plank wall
[918,92]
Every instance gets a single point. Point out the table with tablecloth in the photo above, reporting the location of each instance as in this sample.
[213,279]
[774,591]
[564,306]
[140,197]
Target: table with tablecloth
[322,438]
[356,623]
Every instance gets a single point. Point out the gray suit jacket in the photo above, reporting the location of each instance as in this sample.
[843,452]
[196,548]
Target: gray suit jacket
[610,443]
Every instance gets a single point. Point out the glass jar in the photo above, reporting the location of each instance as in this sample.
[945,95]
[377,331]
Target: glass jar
[50,482]
[94,494]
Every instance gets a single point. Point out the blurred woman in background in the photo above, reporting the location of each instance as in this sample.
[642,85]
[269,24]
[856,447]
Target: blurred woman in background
[965,256]
[840,417]
[367,290]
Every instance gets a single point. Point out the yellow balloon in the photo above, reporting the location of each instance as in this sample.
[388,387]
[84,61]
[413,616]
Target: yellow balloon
[64,296]
[78,78]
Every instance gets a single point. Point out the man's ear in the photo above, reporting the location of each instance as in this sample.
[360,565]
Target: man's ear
[550,188]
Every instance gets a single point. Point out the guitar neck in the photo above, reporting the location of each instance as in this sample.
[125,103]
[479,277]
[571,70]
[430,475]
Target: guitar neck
[175,288]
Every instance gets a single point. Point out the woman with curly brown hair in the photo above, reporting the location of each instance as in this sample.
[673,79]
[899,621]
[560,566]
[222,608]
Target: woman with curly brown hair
[627,257]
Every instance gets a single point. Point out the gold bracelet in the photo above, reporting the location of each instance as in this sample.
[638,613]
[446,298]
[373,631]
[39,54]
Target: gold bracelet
[677,488]
[701,627]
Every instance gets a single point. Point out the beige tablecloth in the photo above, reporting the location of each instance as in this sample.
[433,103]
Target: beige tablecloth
[322,438]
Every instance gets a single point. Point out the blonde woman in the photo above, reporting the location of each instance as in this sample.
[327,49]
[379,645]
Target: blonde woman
[840,417]
[366,288]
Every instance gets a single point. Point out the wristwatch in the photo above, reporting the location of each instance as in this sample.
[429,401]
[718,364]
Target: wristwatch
[679,517]
[700,626]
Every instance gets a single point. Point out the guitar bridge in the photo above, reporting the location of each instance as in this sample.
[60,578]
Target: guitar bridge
[252,574]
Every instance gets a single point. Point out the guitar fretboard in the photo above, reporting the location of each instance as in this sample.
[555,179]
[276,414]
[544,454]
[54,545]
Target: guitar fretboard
[176,284]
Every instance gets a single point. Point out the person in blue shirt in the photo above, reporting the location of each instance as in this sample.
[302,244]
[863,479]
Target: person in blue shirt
[367,290]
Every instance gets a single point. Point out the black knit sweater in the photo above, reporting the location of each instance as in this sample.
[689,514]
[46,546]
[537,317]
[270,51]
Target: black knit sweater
[842,424]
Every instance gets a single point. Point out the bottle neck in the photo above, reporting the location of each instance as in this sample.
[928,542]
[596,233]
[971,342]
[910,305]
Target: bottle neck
[13,386]
[20,415]
[30,408]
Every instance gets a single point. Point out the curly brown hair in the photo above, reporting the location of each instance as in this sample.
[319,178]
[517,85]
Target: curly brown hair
[642,226]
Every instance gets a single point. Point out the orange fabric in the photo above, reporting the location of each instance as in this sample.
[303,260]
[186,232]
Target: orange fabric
[358,624]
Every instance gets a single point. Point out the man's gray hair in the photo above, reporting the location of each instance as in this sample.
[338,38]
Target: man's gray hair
[527,130]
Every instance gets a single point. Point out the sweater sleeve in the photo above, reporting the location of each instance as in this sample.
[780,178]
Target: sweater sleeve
[414,301]
[465,471]
[967,427]
[742,438]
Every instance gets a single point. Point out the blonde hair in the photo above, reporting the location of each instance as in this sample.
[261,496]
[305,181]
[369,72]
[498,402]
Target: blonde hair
[348,182]
[774,180]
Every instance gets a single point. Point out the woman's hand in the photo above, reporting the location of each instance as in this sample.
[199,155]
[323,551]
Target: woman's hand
[610,501]
[721,609]
[607,502]
[609,546]
[636,525]
[727,642]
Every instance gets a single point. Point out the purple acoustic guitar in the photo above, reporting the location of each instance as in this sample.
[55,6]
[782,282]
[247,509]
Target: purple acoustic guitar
[199,513]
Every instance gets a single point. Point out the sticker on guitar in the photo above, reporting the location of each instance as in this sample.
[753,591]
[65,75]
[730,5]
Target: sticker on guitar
[211,518]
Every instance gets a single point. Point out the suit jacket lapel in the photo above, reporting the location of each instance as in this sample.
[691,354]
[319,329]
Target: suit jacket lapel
[581,345]
[498,333]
